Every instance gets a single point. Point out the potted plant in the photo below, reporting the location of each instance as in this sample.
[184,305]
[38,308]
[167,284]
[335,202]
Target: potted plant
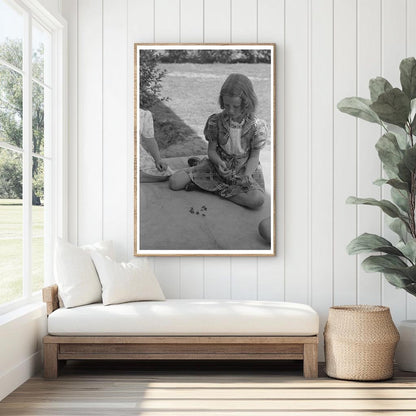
[394,109]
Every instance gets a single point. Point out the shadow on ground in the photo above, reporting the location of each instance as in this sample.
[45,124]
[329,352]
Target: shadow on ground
[174,137]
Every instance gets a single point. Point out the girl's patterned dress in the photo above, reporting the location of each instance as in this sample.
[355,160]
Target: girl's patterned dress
[234,144]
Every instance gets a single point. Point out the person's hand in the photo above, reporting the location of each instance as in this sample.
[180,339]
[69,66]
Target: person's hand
[223,169]
[243,180]
[161,165]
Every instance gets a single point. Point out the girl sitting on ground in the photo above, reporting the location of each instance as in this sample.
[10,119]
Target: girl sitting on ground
[235,137]
[152,167]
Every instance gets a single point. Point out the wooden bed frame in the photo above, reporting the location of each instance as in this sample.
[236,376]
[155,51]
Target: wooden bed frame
[58,349]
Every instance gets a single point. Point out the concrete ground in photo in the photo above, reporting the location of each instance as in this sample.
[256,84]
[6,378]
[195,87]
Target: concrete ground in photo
[177,220]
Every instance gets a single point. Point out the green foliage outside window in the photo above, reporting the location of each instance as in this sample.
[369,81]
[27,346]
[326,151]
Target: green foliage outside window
[11,116]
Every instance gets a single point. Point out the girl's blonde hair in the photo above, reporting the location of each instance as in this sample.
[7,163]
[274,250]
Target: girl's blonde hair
[238,85]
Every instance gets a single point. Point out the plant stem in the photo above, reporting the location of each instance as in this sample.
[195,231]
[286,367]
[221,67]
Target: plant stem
[412,196]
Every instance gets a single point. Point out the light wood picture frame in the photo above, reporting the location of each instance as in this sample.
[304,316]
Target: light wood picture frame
[204,143]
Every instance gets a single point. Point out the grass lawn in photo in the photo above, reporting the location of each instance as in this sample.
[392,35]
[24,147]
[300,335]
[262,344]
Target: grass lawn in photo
[11,249]
[193,91]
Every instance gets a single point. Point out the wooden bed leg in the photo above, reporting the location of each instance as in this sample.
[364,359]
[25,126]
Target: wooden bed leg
[50,360]
[310,360]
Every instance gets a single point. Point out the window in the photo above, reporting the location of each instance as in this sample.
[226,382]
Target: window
[31,141]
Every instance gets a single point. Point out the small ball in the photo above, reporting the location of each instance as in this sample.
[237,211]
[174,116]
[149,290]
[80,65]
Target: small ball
[264,229]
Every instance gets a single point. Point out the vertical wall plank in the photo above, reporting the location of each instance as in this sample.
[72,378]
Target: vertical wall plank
[321,167]
[393,51]
[115,52]
[244,21]
[217,28]
[217,21]
[345,152]
[271,29]
[192,31]
[70,12]
[411,28]
[137,33]
[192,21]
[192,278]
[369,168]
[90,128]
[296,152]
[244,278]
[167,15]
[411,51]
[244,29]
[140,21]
[167,29]
[167,273]
[217,278]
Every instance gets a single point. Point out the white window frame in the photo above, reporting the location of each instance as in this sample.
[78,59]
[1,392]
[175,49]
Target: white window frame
[58,211]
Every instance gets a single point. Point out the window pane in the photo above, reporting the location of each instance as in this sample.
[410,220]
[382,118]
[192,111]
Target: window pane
[11,226]
[11,106]
[11,34]
[38,118]
[38,230]
[41,46]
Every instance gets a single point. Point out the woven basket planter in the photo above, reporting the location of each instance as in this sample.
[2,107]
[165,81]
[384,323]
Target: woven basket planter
[360,341]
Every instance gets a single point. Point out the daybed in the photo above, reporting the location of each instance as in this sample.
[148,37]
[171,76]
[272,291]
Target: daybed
[181,329]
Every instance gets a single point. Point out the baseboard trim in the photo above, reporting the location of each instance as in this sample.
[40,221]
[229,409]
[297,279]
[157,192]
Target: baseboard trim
[10,380]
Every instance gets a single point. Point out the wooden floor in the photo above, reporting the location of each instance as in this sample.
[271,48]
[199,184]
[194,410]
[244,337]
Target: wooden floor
[191,389]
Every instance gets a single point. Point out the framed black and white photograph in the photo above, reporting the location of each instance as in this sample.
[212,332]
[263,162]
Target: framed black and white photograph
[204,163]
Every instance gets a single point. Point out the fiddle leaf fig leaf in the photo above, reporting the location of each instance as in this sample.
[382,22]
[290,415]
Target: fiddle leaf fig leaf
[397,280]
[401,139]
[408,77]
[400,228]
[395,183]
[398,184]
[366,243]
[400,198]
[411,273]
[404,173]
[381,263]
[412,109]
[390,173]
[388,207]
[411,289]
[408,249]
[380,182]
[378,86]
[392,107]
[396,271]
[389,151]
[359,107]
[410,158]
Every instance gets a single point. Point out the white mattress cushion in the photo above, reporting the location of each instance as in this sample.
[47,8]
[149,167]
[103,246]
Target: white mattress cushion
[187,317]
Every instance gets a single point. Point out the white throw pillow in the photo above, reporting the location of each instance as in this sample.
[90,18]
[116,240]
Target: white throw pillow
[126,282]
[103,247]
[75,273]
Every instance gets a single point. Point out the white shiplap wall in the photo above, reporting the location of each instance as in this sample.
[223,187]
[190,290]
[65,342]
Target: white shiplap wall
[326,50]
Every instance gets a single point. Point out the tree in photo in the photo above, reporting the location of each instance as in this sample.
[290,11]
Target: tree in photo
[11,116]
[150,79]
